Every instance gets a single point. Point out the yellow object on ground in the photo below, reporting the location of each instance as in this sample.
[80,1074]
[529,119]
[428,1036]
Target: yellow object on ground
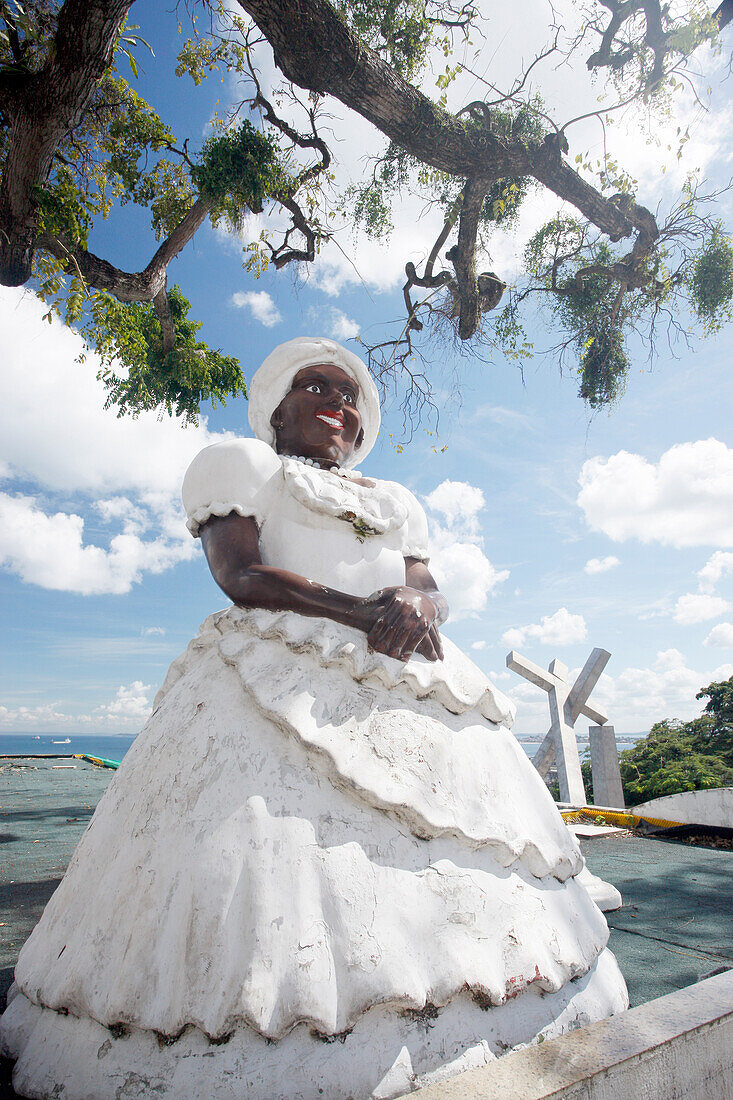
[620,818]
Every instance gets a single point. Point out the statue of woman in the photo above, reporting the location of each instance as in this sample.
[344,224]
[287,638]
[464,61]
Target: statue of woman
[325,868]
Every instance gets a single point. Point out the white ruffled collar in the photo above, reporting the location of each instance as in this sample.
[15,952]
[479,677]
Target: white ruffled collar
[371,510]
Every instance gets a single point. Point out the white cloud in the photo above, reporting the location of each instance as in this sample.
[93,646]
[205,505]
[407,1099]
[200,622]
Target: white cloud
[695,607]
[152,632]
[712,572]
[601,565]
[478,645]
[686,499]
[458,502]
[48,550]
[368,261]
[130,704]
[260,305]
[562,628]
[56,435]
[134,520]
[127,710]
[504,417]
[463,572]
[720,635]
[342,327]
[55,430]
[38,717]
[638,697]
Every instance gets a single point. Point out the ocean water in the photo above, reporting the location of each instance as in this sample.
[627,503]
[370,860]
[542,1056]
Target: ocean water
[114,746]
[108,746]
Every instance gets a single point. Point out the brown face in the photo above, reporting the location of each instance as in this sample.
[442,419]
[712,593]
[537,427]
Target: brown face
[319,418]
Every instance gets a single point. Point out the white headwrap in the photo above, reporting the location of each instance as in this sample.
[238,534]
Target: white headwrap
[274,379]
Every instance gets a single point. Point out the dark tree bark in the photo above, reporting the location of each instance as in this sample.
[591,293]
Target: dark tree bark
[42,108]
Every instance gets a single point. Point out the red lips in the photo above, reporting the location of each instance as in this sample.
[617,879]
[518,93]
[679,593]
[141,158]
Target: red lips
[334,418]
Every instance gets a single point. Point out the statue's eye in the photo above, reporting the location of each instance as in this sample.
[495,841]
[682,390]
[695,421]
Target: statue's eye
[349,399]
[313,387]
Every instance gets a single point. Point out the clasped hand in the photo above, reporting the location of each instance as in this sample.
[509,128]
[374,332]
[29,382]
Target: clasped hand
[402,621]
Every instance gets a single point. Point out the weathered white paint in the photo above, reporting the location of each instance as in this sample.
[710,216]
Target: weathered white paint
[310,837]
[386,1055]
[678,1047]
[319,872]
[714,807]
[606,896]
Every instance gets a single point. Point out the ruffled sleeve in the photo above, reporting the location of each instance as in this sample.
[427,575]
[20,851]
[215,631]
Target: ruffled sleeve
[415,528]
[228,477]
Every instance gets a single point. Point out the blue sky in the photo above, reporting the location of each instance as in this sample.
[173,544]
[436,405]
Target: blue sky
[553,531]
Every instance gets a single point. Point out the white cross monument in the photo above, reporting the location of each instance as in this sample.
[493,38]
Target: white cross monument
[566,705]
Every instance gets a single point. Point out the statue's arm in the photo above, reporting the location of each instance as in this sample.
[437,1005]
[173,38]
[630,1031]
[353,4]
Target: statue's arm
[231,545]
[397,621]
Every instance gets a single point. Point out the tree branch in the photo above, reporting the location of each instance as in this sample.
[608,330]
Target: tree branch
[463,257]
[126,286]
[167,326]
[724,13]
[316,51]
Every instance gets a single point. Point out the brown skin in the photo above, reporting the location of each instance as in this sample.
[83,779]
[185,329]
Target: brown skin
[398,621]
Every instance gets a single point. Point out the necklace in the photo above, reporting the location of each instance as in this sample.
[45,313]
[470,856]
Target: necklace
[348,474]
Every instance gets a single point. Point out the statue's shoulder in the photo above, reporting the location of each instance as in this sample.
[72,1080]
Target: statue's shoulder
[227,476]
[243,459]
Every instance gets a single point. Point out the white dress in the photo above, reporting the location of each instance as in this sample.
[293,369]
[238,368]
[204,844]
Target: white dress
[319,872]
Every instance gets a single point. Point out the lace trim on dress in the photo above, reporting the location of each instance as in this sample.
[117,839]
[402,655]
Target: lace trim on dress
[370,511]
[219,508]
[412,550]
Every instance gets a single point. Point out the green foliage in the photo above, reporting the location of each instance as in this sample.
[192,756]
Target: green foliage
[239,169]
[585,303]
[674,757]
[34,23]
[604,366]
[399,30]
[719,708]
[118,153]
[711,283]
[122,151]
[128,41]
[370,204]
[680,756]
[64,210]
[591,305]
[504,199]
[130,337]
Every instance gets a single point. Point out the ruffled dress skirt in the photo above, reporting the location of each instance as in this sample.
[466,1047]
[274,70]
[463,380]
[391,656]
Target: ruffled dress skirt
[318,873]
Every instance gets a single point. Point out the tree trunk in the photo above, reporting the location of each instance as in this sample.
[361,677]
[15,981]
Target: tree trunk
[43,108]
